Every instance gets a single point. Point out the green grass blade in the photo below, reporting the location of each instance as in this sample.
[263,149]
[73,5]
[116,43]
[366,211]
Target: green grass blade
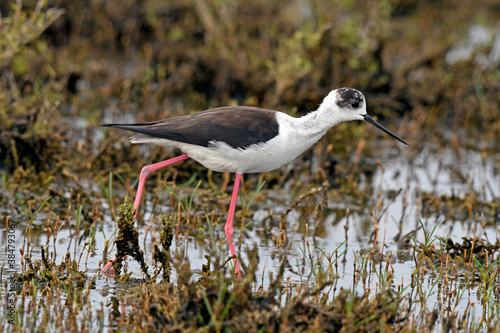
[41,206]
[210,230]
[103,187]
[78,216]
[226,308]
[176,197]
[110,185]
[190,205]
[254,196]
[209,307]
[24,208]
[120,178]
[188,182]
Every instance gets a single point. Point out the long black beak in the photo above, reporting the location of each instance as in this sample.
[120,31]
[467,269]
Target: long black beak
[374,123]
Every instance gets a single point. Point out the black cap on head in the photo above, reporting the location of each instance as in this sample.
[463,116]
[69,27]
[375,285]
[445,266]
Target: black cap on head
[349,97]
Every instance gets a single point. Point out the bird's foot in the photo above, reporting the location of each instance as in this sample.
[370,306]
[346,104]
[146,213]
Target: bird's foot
[108,270]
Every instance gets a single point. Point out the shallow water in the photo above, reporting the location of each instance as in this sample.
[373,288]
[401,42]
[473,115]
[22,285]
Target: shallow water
[440,174]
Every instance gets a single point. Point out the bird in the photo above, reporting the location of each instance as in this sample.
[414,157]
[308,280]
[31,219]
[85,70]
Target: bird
[246,139]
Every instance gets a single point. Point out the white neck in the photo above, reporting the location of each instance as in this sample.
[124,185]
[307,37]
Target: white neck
[318,122]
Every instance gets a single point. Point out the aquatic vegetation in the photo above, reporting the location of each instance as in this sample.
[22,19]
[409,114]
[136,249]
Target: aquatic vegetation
[355,235]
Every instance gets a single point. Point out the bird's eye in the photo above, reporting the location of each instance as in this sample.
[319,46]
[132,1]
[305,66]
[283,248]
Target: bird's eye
[355,105]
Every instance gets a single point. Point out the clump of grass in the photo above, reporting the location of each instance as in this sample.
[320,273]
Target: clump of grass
[163,256]
[44,272]
[347,312]
[487,288]
[127,241]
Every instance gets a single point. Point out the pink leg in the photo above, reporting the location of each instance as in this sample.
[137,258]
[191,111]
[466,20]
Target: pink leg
[229,223]
[145,172]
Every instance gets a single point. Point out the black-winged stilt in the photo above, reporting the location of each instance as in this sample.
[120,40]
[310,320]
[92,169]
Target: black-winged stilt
[243,139]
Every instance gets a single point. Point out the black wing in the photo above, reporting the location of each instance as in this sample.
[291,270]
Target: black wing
[238,126]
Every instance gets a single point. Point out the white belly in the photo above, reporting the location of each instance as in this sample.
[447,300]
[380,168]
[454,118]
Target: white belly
[256,158]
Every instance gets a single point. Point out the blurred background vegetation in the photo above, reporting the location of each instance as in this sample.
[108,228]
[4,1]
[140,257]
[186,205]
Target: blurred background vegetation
[69,65]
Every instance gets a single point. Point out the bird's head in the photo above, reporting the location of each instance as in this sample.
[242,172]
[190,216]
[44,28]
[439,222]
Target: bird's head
[346,104]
